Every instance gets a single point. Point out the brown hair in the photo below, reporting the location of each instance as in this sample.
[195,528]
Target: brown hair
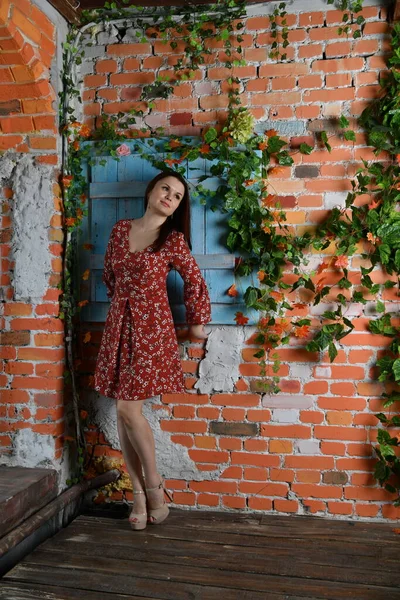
[180,221]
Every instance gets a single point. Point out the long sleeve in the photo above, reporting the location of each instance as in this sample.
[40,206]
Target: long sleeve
[108,273]
[195,296]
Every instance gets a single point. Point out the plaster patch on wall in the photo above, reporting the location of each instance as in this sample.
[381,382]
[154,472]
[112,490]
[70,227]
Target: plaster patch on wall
[173,459]
[33,450]
[32,209]
[219,370]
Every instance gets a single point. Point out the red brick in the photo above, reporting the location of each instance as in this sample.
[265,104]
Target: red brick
[37,383]
[336,65]
[209,456]
[185,399]
[184,426]
[330,432]
[235,399]
[107,66]
[259,460]
[306,490]
[286,431]
[263,504]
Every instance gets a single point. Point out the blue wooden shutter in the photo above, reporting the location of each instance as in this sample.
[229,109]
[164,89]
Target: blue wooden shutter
[116,191]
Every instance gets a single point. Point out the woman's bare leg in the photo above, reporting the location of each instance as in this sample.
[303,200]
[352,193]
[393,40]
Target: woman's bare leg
[140,436]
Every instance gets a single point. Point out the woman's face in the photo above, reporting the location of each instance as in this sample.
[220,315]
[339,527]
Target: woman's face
[166,196]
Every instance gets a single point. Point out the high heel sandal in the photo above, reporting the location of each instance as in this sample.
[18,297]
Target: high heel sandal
[159,514]
[138,521]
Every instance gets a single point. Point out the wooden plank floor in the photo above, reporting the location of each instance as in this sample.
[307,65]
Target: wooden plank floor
[211,556]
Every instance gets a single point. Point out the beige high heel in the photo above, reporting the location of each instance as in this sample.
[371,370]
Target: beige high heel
[159,514]
[138,521]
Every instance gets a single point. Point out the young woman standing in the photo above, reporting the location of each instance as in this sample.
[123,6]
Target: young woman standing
[139,355]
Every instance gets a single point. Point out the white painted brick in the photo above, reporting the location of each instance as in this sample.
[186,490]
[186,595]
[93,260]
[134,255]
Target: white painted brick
[287,401]
[309,447]
[322,372]
[95,51]
[281,415]
[303,372]
[333,199]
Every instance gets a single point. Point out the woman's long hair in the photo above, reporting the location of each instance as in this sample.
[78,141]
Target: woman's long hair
[180,221]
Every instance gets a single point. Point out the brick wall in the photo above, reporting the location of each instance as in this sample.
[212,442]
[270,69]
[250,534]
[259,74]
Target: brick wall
[31,349]
[309,448]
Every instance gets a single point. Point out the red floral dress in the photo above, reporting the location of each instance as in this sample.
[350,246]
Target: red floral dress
[139,353]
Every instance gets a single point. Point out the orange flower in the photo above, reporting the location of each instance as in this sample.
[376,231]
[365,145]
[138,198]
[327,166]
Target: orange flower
[322,267]
[371,237]
[87,337]
[79,213]
[262,145]
[398,158]
[172,161]
[261,275]
[320,284]
[86,275]
[276,171]
[268,201]
[263,323]
[249,182]
[233,291]
[83,198]
[280,326]
[84,414]
[204,149]
[88,246]
[174,143]
[341,261]
[76,145]
[302,332]
[84,131]
[277,296]
[240,319]
[83,302]
[373,204]
[299,305]
[266,229]
[271,133]
[67,180]
[70,221]
[76,124]
[277,216]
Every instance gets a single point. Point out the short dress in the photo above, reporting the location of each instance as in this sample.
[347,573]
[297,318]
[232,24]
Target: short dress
[139,353]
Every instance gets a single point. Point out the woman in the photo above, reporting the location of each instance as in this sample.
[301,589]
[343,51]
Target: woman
[139,355]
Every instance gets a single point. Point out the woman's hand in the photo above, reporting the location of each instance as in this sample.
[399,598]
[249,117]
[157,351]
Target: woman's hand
[197,331]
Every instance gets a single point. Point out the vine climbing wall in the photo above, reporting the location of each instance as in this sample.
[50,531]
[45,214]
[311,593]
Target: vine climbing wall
[308,449]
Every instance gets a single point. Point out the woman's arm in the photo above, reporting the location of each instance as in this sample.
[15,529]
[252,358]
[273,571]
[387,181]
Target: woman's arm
[195,295]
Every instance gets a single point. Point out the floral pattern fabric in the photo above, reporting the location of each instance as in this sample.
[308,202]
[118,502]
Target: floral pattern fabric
[139,353]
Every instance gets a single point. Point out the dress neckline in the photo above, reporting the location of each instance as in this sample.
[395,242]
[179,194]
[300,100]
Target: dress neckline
[150,247]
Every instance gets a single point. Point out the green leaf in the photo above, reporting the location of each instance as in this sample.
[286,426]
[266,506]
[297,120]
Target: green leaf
[210,135]
[343,122]
[259,354]
[332,351]
[380,306]
[305,148]
[350,135]
[396,369]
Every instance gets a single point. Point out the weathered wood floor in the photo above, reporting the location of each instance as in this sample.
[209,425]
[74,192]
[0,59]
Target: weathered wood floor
[211,556]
